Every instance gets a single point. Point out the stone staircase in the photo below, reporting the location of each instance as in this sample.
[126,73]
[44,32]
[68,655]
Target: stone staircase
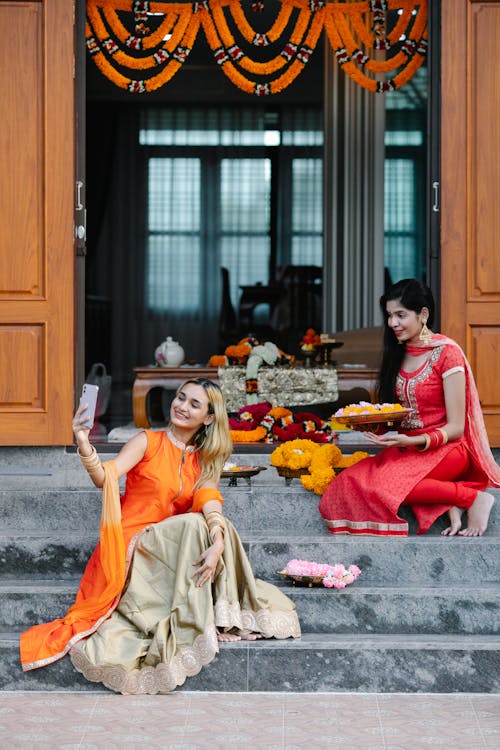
[424,616]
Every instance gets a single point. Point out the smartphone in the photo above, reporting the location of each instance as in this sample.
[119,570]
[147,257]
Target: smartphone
[89,397]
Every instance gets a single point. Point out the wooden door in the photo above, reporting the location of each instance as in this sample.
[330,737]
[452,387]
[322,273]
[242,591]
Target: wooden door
[36,223]
[470,179]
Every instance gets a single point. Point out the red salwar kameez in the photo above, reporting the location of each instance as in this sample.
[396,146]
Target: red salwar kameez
[365,498]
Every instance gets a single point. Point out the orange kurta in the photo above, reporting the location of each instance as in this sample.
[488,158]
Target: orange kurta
[159,486]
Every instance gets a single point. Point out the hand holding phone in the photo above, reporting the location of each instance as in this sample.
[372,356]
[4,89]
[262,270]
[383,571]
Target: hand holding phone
[89,399]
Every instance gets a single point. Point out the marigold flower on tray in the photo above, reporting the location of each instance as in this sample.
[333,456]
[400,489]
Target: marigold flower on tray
[319,481]
[322,466]
[364,407]
[352,459]
[294,454]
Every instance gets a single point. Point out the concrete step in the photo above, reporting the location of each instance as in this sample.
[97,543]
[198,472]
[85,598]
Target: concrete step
[357,609]
[60,468]
[256,508]
[423,617]
[424,560]
[315,663]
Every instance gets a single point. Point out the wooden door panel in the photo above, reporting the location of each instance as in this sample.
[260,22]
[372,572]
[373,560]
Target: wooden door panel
[36,220]
[484,271]
[21,154]
[470,191]
[485,348]
[23,350]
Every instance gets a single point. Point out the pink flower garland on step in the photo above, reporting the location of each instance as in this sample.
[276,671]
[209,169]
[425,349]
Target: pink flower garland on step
[334,576]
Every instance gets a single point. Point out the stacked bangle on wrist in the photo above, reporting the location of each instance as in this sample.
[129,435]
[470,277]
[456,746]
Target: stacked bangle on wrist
[444,434]
[216,525]
[92,463]
[434,439]
[427,443]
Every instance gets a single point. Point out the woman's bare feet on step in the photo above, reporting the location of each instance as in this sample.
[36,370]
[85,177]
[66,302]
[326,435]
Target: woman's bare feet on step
[227,637]
[249,636]
[455,516]
[241,636]
[478,515]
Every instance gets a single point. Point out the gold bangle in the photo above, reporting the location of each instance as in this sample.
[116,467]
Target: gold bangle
[215,523]
[427,443]
[91,463]
[445,435]
[214,516]
[214,531]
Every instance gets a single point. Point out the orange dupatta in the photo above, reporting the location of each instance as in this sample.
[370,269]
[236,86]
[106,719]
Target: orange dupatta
[100,588]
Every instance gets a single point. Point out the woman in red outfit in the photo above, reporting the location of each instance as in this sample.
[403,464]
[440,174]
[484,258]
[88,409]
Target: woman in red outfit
[440,460]
[169,577]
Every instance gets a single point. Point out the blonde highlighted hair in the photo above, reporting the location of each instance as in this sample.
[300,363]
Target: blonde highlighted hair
[214,440]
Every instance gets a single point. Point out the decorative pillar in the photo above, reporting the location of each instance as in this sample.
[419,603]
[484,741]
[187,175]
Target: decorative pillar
[353,201]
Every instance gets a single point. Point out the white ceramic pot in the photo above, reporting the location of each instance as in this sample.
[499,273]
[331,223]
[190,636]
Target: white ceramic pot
[169,354]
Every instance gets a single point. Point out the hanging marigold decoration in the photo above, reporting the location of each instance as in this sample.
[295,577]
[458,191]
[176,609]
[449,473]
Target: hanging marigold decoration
[141,44]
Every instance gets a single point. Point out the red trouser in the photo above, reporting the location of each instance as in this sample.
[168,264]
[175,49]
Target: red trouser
[442,484]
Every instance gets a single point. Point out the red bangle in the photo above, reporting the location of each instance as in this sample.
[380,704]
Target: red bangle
[444,434]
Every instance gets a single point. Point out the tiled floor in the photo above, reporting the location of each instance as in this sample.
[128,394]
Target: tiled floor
[261,721]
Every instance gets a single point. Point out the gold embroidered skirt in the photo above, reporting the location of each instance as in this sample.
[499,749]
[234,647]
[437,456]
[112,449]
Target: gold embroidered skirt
[164,628]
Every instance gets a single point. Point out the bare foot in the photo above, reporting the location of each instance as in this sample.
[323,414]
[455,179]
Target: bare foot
[227,637]
[248,636]
[242,635]
[478,515]
[455,516]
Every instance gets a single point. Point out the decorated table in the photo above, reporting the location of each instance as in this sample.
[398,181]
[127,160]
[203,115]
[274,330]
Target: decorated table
[285,385]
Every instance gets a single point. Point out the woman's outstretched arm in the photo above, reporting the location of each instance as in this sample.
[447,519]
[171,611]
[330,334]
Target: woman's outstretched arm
[127,458]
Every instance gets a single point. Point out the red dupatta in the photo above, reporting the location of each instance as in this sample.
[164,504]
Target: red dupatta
[474,429]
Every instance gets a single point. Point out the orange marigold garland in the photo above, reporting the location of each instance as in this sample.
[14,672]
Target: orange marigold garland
[112,46]
[353,29]
[279,424]
[354,59]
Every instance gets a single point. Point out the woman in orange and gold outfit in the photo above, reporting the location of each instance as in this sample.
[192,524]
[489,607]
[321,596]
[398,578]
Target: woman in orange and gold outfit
[169,577]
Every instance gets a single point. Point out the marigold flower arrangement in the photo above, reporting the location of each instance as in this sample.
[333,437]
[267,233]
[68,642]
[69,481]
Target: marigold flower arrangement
[310,340]
[259,422]
[333,576]
[322,461]
[294,454]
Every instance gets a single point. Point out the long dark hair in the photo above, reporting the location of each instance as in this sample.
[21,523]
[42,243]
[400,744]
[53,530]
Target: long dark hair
[413,295]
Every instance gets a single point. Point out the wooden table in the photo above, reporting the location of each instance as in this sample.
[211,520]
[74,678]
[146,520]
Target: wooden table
[359,377]
[171,378]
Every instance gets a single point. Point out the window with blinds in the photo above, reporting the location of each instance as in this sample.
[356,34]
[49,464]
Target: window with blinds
[404,175]
[235,188]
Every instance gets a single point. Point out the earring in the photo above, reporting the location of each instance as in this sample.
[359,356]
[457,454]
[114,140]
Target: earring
[425,335]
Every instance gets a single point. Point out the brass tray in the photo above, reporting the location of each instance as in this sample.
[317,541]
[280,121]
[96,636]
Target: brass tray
[308,581]
[241,472]
[290,474]
[384,417]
